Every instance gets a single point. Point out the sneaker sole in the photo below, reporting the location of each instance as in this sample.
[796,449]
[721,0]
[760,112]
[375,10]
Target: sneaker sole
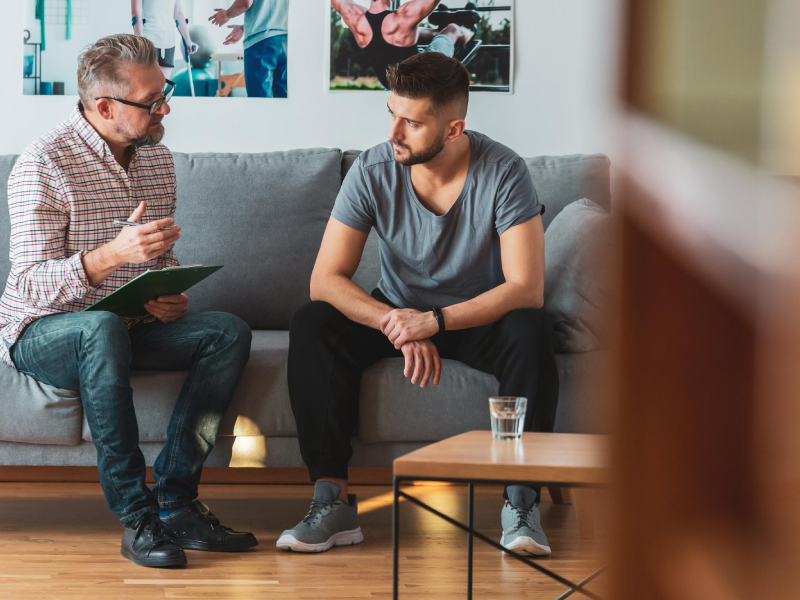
[343,538]
[525,545]
[156,563]
[238,546]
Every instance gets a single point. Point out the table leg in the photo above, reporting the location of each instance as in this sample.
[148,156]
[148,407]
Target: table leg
[396,540]
[471,522]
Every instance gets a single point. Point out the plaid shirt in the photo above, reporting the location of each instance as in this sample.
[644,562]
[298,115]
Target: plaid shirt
[64,193]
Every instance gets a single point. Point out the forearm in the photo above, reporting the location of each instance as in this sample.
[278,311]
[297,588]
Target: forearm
[52,283]
[99,264]
[491,306]
[136,13]
[348,297]
[239,7]
[180,19]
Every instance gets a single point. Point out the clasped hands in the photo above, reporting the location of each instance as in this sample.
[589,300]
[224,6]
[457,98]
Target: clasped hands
[409,331]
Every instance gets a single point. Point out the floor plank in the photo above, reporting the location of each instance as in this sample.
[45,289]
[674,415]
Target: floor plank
[58,541]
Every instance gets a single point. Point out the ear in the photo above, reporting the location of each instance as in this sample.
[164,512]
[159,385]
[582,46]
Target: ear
[457,127]
[105,108]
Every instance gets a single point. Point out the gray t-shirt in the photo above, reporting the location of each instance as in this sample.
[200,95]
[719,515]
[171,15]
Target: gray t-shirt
[429,260]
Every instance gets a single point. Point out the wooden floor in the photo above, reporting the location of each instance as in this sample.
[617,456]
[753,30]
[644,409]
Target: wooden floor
[58,541]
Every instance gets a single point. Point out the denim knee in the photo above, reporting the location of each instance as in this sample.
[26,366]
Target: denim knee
[225,330]
[105,333]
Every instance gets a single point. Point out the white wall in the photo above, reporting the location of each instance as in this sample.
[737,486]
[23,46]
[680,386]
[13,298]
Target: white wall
[562,101]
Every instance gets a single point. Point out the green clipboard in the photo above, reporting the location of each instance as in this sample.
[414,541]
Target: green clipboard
[129,300]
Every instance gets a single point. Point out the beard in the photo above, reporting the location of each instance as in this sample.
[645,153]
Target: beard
[420,157]
[137,139]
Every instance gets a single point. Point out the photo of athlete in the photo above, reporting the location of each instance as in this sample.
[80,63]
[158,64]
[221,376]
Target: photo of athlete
[368,36]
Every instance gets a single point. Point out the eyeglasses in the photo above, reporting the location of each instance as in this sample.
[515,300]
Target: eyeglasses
[151,108]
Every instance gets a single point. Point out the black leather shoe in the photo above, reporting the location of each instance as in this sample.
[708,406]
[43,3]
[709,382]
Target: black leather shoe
[149,544]
[196,528]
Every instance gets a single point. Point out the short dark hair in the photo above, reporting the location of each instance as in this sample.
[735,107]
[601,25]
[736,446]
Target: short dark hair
[431,75]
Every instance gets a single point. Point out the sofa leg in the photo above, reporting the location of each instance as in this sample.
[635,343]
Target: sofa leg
[585,512]
[560,495]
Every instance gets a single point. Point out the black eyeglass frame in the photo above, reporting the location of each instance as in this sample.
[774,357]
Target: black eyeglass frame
[151,108]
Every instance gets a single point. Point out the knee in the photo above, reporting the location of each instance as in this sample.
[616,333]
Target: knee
[104,331]
[524,329]
[314,319]
[228,330]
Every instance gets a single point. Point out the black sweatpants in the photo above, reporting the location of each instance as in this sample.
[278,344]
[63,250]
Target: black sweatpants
[328,353]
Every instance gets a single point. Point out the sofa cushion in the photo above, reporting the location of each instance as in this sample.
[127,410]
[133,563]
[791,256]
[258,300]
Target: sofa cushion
[262,216]
[577,283]
[37,413]
[393,410]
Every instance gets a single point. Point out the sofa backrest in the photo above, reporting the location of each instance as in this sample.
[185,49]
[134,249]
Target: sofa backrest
[263,217]
[6,164]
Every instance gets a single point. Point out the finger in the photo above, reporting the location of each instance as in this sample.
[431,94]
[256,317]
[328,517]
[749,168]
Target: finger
[136,215]
[437,368]
[408,365]
[385,320]
[154,226]
[426,376]
[395,335]
[401,340]
[418,364]
[172,299]
[163,238]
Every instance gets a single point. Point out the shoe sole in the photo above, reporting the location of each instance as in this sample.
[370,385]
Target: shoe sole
[343,538]
[525,545]
[239,546]
[156,563]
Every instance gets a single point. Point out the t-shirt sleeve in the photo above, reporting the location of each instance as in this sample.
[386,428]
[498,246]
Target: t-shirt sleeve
[354,205]
[517,201]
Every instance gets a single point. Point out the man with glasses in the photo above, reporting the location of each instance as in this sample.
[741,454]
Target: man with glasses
[102,164]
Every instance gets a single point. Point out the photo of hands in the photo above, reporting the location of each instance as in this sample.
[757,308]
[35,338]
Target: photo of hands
[220,48]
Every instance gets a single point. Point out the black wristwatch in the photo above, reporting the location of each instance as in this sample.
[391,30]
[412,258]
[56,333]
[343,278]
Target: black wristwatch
[437,312]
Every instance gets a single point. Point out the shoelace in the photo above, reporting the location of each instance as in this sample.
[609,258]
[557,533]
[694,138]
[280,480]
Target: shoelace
[151,523]
[524,516]
[319,508]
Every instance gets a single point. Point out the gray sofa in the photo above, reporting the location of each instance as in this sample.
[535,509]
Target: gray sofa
[263,216]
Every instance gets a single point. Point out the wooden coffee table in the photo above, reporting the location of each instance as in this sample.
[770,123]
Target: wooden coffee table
[553,460]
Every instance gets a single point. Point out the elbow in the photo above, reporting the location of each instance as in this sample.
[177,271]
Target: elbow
[315,289]
[533,297]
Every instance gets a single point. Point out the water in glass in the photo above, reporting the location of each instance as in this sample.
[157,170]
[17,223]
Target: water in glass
[508,417]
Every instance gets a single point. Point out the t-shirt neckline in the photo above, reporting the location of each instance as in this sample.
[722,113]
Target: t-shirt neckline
[464,189]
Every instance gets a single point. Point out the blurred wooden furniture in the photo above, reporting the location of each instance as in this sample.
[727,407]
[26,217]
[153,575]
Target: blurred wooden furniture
[708,419]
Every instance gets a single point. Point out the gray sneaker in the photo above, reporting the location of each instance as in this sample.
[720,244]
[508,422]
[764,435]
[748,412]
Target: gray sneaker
[330,522]
[522,532]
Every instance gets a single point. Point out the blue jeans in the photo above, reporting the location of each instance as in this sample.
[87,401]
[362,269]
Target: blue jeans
[265,68]
[94,352]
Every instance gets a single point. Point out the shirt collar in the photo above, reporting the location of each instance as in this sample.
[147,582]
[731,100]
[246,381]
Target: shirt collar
[89,134]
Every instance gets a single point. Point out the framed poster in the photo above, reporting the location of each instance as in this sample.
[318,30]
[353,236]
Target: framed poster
[366,36]
[208,47]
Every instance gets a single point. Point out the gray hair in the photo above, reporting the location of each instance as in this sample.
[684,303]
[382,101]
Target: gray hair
[102,65]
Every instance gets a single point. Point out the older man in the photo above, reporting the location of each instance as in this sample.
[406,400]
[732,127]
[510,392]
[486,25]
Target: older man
[103,163]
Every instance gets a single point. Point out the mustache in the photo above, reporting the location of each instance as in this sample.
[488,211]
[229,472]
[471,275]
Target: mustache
[398,143]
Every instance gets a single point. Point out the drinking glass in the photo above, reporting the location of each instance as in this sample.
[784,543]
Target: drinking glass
[508,416]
